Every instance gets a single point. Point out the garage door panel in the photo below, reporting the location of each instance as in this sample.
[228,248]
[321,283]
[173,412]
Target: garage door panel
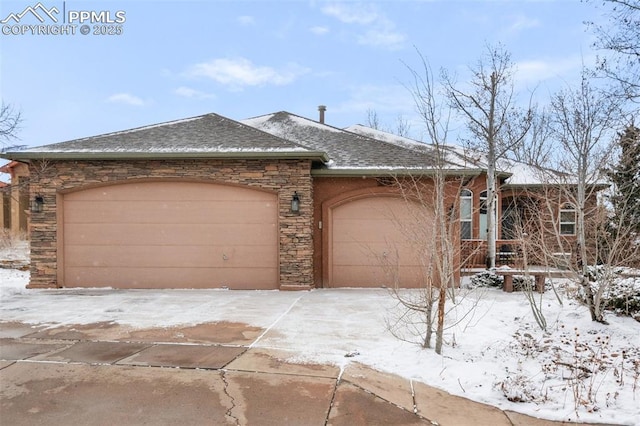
[372,276]
[169,212]
[170,235]
[384,208]
[177,235]
[370,232]
[235,278]
[344,229]
[161,191]
[178,257]
[374,253]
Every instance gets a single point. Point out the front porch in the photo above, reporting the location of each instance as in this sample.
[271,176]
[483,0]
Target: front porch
[474,254]
[509,253]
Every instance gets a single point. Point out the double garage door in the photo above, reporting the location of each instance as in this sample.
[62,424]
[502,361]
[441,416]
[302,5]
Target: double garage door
[170,235]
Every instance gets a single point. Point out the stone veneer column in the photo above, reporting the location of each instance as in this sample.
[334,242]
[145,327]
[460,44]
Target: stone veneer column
[50,179]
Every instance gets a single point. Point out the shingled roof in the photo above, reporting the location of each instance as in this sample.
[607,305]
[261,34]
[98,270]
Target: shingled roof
[349,152]
[209,135]
[515,172]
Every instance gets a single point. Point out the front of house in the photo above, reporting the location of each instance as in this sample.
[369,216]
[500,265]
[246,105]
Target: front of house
[273,202]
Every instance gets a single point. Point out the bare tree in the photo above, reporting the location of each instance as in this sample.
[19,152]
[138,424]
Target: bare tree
[372,119]
[537,147]
[402,125]
[621,37]
[434,233]
[436,123]
[496,124]
[10,120]
[584,119]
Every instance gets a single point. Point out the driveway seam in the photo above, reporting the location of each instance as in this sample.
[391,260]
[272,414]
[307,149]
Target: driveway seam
[275,322]
[333,396]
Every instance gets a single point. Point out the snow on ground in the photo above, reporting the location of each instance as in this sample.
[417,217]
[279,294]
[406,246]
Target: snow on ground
[482,359]
[13,249]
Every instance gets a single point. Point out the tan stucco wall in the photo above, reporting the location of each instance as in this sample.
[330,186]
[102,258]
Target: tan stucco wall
[282,176]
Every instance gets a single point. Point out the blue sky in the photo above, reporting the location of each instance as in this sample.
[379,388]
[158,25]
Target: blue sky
[246,58]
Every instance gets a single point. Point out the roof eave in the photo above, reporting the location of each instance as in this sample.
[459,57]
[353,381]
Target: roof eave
[392,172]
[598,186]
[301,155]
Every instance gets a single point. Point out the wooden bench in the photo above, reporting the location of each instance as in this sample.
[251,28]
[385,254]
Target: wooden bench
[508,274]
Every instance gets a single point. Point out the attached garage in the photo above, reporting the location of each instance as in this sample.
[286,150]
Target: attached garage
[169,234]
[378,241]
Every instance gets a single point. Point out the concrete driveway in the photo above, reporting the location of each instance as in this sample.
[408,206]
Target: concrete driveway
[207,374]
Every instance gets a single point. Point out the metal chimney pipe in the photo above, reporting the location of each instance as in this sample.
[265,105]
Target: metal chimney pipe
[322,109]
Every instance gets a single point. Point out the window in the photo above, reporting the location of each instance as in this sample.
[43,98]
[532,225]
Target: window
[567,220]
[511,218]
[466,204]
[484,207]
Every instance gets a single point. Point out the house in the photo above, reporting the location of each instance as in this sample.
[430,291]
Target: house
[14,199]
[273,202]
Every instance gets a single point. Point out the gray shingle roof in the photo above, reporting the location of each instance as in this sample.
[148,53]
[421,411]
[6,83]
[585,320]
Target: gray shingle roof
[205,135]
[347,150]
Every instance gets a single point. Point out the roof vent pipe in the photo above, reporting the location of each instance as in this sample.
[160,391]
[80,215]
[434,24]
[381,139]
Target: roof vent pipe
[322,109]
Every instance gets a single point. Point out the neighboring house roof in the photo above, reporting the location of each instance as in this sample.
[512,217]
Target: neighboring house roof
[8,168]
[349,152]
[209,135]
[15,169]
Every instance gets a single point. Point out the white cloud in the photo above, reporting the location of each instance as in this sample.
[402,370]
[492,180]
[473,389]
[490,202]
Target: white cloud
[522,22]
[246,20]
[393,98]
[355,13]
[319,30]
[188,92]
[382,38]
[126,98]
[379,31]
[239,72]
[538,70]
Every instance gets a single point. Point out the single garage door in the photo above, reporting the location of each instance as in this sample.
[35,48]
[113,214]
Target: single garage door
[170,235]
[379,241]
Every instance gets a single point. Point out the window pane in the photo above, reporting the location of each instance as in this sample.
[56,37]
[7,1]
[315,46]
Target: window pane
[484,206]
[465,208]
[567,228]
[465,230]
[483,226]
[567,216]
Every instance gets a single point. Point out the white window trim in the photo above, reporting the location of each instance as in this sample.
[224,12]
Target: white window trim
[567,208]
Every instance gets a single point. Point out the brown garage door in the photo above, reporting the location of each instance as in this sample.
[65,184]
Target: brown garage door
[378,241]
[170,235]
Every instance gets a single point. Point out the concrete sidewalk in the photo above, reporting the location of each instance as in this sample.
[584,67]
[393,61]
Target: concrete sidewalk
[104,374]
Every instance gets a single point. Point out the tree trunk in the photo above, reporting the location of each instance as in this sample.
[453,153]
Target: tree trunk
[491,178]
[441,301]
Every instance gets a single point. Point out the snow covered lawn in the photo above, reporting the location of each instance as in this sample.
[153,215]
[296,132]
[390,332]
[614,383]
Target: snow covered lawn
[497,355]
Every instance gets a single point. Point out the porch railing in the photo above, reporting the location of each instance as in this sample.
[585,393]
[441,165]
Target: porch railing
[475,253]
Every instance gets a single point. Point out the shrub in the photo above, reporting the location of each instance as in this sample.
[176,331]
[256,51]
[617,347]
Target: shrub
[486,279]
[621,289]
